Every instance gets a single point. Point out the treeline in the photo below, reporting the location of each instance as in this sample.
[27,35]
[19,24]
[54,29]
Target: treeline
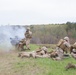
[51,33]
[71,29]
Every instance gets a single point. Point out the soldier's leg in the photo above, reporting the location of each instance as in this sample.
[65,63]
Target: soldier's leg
[28,44]
[21,47]
[66,51]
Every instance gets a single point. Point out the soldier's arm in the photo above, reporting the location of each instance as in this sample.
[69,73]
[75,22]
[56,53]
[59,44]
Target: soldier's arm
[25,34]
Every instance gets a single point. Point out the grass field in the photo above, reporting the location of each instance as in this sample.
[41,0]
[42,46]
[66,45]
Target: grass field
[10,64]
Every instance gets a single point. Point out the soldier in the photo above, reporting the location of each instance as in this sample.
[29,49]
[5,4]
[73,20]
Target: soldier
[42,50]
[64,44]
[39,53]
[28,36]
[70,65]
[21,44]
[56,55]
[73,48]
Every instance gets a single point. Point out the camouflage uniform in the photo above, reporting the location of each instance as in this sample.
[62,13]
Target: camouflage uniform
[63,44]
[21,44]
[73,48]
[74,45]
[28,35]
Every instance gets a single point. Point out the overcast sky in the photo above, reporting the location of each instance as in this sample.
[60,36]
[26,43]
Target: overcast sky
[27,12]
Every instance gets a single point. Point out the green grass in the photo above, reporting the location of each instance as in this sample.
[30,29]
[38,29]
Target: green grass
[10,64]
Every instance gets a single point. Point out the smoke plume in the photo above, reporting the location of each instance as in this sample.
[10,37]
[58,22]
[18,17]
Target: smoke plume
[10,35]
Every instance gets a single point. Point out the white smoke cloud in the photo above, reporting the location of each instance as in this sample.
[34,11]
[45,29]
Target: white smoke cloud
[7,32]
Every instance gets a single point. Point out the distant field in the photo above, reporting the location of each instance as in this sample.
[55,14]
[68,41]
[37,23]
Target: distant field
[10,64]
